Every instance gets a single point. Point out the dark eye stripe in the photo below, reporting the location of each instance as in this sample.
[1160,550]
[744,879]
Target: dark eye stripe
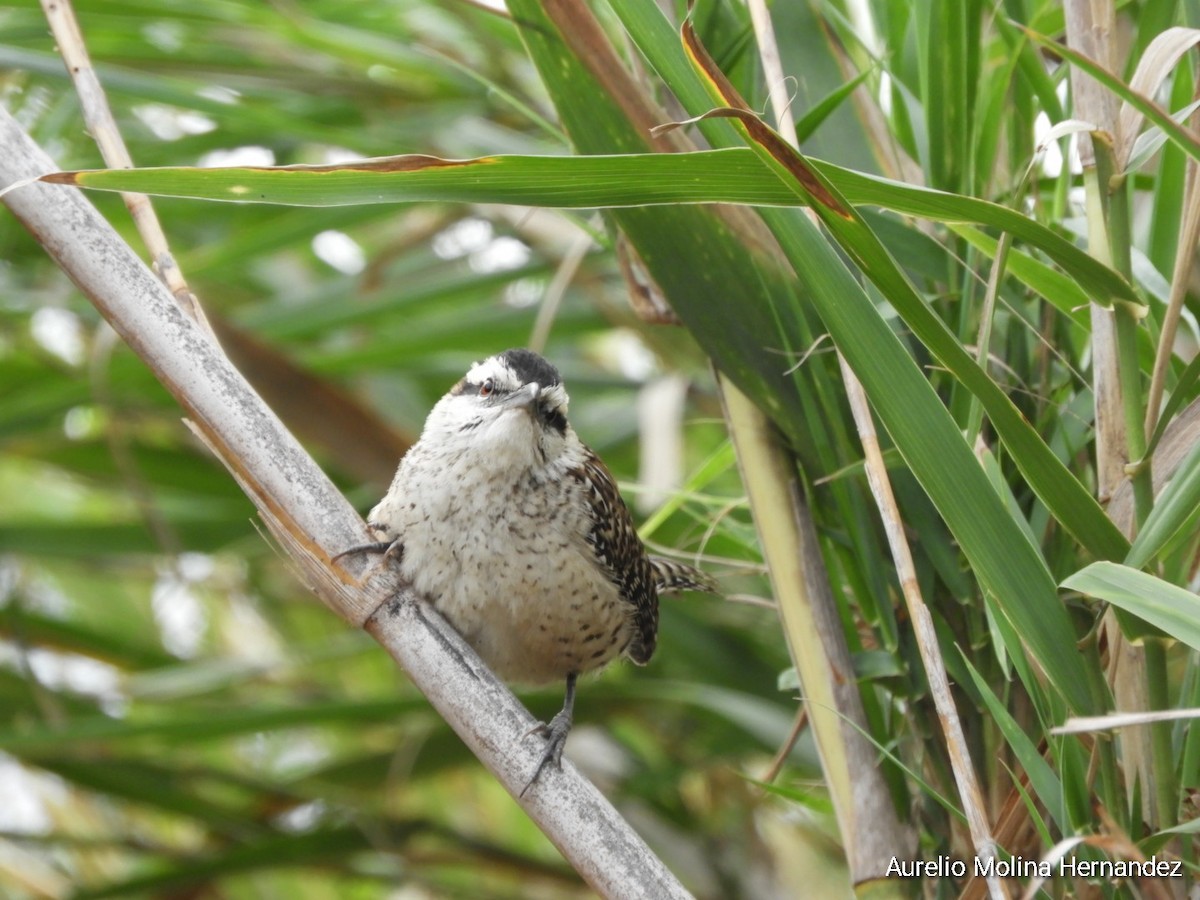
[554,419]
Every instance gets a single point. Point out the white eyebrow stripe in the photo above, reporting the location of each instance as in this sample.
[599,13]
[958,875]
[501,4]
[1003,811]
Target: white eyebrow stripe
[496,370]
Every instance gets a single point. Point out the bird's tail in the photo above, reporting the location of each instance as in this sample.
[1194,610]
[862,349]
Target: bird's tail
[670,575]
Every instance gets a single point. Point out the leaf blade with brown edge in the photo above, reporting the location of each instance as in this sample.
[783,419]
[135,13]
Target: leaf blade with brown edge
[609,181]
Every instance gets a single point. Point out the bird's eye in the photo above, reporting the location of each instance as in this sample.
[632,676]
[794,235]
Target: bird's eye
[485,389]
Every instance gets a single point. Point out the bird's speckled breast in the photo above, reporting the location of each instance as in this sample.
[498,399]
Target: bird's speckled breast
[505,560]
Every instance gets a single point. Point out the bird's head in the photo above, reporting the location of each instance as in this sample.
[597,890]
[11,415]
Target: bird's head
[511,406]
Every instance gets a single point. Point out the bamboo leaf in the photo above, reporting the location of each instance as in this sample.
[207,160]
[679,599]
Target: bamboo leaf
[1156,63]
[734,175]
[1046,784]
[1062,493]
[1051,285]
[1004,560]
[1175,507]
[199,725]
[1182,392]
[824,108]
[1148,143]
[1167,606]
[1139,102]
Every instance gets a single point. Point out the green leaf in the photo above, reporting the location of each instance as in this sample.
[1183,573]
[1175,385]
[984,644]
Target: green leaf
[823,109]
[1175,507]
[932,445]
[1044,781]
[1175,132]
[1184,386]
[930,441]
[734,175]
[193,724]
[1167,606]
[1051,285]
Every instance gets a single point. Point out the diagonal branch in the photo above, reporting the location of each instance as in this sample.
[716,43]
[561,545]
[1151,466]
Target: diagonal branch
[312,521]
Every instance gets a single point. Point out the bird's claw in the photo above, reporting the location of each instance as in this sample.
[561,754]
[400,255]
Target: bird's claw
[555,732]
[393,549]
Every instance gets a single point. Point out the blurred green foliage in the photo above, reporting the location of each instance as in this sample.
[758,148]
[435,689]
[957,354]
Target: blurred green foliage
[179,717]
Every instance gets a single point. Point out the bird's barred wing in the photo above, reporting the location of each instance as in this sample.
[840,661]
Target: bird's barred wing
[618,552]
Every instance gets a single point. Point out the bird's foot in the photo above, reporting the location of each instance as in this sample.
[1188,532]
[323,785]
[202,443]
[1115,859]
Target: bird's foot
[555,732]
[393,549]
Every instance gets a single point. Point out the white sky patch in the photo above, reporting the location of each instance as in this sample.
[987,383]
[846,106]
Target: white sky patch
[335,156]
[44,596]
[196,566]
[23,809]
[500,255]
[299,755]
[170,124]
[284,755]
[60,332]
[219,94]
[463,237]
[634,359]
[250,155]
[339,250]
[166,36]
[302,818]
[476,239]
[68,672]
[83,675]
[660,407]
[525,292]
[248,634]
[179,614]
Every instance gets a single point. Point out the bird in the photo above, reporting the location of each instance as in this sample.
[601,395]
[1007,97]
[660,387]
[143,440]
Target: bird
[514,530]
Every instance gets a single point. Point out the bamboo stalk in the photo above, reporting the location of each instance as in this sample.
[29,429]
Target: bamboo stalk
[1120,413]
[926,635]
[871,832]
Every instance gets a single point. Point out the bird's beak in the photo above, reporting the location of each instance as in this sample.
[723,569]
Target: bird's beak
[525,398]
